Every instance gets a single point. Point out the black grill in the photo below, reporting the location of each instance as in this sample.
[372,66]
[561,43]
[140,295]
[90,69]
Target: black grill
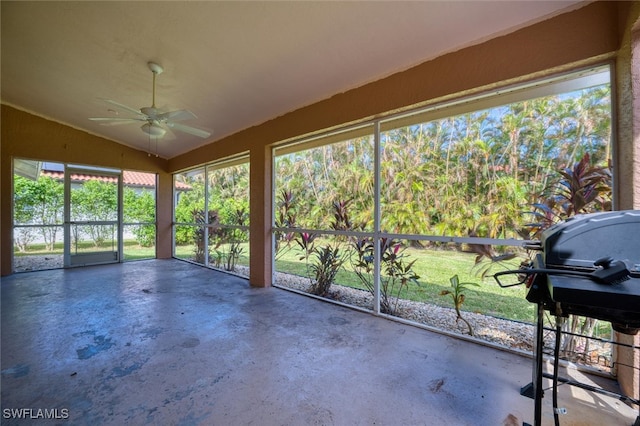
[591,267]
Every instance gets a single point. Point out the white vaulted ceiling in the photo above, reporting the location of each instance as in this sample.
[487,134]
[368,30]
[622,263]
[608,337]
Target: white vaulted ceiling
[235,64]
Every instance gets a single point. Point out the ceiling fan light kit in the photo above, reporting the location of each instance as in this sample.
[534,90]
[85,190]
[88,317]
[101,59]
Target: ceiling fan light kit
[153,129]
[156,123]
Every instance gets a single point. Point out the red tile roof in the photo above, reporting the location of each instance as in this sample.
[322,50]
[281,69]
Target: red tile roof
[147,180]
[139,178]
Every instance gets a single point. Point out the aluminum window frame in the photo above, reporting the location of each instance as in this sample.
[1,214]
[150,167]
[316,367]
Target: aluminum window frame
[584,78]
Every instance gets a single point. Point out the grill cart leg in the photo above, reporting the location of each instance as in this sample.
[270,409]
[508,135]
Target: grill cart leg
[534,389]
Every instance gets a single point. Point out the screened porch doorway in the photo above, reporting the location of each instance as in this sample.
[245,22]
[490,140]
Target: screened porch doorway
[93,216]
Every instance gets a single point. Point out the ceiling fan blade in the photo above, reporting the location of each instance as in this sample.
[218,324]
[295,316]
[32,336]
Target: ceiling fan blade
[124,107]
[178,115]
[188,129]
[115,121]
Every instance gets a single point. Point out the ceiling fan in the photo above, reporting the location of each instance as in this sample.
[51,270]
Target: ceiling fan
[156,123]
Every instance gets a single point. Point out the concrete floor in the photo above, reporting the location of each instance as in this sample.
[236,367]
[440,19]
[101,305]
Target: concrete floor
[167,342]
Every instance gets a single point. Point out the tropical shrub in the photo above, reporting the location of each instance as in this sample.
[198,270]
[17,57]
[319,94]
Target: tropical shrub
[199,216]
[39,202]
[140,207]
[227,242]
[285,218]
[459,297]
[395,272]
[327,262]
[582,188]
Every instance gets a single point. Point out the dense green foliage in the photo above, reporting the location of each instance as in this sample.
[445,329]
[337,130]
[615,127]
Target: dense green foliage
[41,202]
[474,174]
[228,192]
[94,200]
[140,207]
[227,198]
[507,172]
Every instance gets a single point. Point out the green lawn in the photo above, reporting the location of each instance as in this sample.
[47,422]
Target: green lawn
[58,248]
[132,250]
[135,252]
[187,252]
[435,268]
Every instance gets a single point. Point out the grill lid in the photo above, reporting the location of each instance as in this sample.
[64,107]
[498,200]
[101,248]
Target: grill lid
[581,240]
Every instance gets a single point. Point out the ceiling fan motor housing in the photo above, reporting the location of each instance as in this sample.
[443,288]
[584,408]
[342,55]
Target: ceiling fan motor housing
[155,68]
[149,111]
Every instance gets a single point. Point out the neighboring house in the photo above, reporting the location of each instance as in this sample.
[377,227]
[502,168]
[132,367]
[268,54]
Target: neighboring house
[132,179]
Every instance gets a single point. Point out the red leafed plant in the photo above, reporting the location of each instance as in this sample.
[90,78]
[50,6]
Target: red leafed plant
[583,188]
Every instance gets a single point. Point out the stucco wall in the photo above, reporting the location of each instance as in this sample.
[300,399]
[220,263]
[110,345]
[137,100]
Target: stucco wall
[627,185]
